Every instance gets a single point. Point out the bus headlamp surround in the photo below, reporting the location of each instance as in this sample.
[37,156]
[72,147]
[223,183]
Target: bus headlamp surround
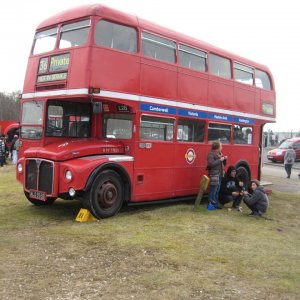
[20,168]
[68,175]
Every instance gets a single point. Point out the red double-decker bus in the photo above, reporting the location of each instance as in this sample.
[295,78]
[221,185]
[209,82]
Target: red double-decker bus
[116,109]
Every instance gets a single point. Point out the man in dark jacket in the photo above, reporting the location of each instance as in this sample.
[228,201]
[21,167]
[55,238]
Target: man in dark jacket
[258,201]
[231,189]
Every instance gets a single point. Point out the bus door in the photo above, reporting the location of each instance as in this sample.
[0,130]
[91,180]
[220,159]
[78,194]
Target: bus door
[154,159]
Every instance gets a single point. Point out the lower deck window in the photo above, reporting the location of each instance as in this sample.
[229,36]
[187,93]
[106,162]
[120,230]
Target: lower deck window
[242,134]
[190,130]
[156,128]
[219,132]
[117,126]
[68,119]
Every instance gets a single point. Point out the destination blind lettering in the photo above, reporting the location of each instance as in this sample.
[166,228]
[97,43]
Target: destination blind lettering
[58,63]
[52,77]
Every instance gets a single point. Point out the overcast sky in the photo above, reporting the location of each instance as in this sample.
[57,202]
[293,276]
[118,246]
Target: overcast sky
[267,32]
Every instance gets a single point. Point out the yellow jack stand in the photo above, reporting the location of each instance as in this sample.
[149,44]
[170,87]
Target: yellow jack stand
[203,186]
[84,215]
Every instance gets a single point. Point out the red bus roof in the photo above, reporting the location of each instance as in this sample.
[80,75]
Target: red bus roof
[113,14]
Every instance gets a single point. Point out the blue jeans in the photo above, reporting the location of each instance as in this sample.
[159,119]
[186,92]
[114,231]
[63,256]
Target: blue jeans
[214,194]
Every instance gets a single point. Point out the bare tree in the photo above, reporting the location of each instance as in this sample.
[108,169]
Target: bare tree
[10,105]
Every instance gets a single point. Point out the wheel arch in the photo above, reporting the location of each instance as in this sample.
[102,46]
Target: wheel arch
[120,170]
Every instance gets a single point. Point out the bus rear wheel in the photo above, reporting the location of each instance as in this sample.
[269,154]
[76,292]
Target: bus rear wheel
[36,202]
[105,198]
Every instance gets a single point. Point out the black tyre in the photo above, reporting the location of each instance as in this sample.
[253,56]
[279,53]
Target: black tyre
[243,175]
[105,197]
[36,202]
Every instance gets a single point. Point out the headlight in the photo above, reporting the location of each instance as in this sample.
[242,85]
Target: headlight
[20,168]
[68,175]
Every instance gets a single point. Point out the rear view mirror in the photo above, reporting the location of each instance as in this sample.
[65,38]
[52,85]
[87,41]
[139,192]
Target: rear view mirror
[97,107]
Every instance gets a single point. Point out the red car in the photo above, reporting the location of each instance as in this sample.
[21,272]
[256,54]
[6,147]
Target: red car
[278,153]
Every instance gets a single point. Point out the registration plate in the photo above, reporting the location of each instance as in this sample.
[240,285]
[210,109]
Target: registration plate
[38,195]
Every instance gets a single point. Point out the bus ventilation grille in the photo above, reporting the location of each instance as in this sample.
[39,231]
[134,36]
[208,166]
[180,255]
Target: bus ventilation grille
[39,175]
[50,87]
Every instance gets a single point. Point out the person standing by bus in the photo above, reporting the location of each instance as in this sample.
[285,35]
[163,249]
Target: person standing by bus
[12,145]
[215,166]
[15,149]
[289,160]
[2,151]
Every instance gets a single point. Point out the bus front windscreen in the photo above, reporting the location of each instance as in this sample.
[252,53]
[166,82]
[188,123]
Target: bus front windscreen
[32,120]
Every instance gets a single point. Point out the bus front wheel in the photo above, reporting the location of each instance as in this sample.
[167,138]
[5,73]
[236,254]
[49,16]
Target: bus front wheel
[36,202]
[105,197]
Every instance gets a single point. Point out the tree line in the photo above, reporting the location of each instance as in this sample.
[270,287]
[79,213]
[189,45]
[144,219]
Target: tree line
[10,105]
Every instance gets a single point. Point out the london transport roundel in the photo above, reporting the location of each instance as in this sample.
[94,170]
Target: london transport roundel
[190,155]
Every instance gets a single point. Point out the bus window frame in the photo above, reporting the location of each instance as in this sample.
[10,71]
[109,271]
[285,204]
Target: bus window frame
[205,56]
[230,125]
[244,68]
[60,32]
[93,35]
[181,141]
[173,140]
[175,48]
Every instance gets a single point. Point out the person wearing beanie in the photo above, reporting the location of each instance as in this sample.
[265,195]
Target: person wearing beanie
[231,189]
[258,201]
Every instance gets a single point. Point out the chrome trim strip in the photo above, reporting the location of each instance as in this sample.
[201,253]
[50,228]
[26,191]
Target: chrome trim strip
[71,92]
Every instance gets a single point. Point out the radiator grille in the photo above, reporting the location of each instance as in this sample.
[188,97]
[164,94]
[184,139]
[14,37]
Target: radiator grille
[39,175]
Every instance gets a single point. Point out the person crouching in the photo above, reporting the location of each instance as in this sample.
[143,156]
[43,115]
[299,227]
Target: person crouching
[258,201]
[231,189]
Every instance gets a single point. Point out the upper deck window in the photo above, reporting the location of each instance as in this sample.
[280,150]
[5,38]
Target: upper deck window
[44,41]
[74,34]
[192,58]
[243,74]
[262,80]
[219,66]
[159,48]
[116,36]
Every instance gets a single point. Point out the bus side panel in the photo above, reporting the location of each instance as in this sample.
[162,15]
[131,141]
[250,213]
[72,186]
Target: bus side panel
[30,75]
[158,79]
[189,168]
[220,92]
[192,87]
[244,98]
[153,171]
[104,64]
[77,78]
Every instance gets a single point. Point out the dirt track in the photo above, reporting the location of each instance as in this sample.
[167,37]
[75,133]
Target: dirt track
[277,176]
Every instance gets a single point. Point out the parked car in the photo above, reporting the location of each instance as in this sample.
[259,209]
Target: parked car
[278,153]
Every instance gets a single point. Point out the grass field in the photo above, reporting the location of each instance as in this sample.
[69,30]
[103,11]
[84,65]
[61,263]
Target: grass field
[147,252]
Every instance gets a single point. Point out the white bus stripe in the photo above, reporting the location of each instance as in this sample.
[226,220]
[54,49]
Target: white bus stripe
[133,97]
